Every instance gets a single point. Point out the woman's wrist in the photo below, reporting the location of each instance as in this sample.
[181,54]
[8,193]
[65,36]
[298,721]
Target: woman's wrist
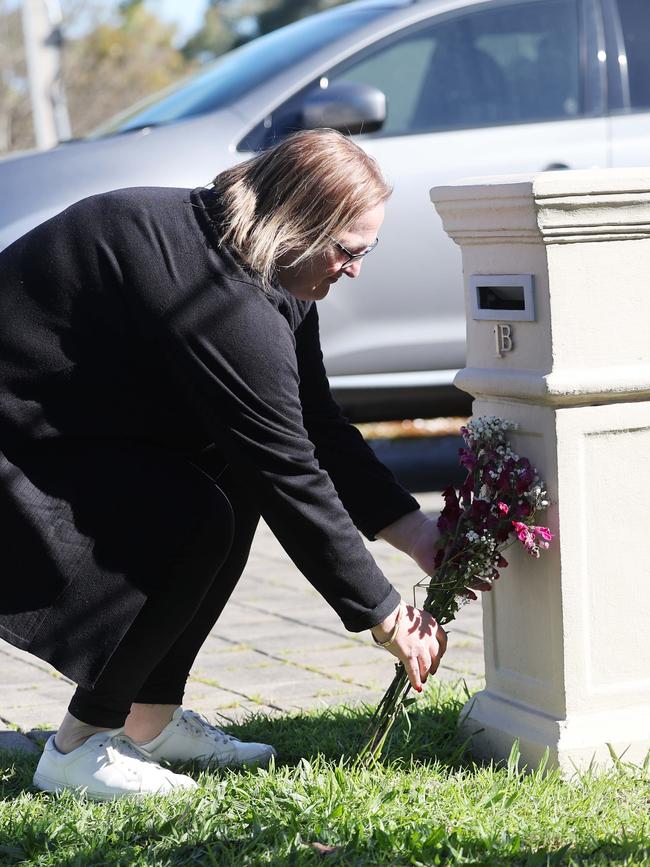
[383,631]
[403,533]
[392,636]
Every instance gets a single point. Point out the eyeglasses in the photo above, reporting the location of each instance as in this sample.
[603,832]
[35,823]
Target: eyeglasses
[352,257]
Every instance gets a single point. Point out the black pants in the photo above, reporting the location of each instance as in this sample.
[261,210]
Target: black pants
[152,663]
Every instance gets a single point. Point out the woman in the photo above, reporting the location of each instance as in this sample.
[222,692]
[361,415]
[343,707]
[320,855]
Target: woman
[162,385]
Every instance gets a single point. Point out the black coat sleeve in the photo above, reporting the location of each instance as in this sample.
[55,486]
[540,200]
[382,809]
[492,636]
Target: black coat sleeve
[367,488]
[234,356]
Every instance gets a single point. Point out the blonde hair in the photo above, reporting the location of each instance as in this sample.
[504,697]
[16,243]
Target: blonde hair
[290,198]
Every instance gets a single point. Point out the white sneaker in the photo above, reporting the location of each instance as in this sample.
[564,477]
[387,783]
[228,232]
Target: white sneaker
[190,737]
[107,766]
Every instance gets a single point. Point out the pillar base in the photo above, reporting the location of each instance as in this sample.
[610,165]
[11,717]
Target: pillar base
[494,723]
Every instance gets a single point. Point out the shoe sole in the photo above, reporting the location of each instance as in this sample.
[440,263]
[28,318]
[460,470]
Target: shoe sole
[45,784]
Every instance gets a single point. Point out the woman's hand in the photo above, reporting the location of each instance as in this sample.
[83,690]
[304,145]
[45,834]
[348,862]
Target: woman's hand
[416,535]
[419,643]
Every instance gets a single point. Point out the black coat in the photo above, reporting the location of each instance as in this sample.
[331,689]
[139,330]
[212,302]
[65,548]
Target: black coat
[131,345]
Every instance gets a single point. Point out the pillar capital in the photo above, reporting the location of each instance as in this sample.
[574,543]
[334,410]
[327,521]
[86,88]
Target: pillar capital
[566,207]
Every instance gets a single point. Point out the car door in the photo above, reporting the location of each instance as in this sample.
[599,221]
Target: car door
[628,52]
[484,89]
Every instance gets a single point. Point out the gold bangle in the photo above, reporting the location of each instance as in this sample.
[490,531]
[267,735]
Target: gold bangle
[394,630]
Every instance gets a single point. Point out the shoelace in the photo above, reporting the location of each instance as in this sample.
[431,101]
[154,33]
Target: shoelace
[199,725]
[122,746]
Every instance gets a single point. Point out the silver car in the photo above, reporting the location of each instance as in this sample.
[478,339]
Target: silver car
[434,90]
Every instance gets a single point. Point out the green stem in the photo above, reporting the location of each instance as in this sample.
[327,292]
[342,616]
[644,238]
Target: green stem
[384,717]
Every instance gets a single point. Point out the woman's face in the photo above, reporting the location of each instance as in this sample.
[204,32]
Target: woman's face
[311,279]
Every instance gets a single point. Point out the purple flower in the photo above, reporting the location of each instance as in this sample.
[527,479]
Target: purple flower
[525,476]
[467,459]
[479,510]
[451,511]
[522,510]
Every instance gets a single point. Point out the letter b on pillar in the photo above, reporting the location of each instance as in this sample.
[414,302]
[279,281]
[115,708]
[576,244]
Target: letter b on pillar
[503,335]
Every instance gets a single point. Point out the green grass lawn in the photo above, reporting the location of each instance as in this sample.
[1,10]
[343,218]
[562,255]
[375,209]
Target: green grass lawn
[425,803]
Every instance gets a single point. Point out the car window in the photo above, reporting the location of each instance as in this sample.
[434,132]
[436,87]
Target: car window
[509,64]
[399,71]
[635,22]
[244,68]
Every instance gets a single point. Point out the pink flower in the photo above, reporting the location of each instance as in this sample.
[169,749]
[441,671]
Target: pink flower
[521,530]
[544,533]
[526,536]
[503,507]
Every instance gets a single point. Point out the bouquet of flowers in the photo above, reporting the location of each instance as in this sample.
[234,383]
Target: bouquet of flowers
[494,508]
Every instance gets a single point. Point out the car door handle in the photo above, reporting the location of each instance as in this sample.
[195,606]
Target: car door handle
[555,167]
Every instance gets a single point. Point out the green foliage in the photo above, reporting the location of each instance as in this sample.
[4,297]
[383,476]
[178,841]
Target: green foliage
[425,803]
[215,36]
[119,61]
[228,23]
[16,131]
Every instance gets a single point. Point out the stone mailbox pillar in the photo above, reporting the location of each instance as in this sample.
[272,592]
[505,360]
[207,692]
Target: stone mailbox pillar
[557,283]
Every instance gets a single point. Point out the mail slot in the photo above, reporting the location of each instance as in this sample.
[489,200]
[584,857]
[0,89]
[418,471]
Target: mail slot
[502,296]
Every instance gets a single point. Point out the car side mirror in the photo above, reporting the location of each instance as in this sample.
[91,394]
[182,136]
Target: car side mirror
[347,106]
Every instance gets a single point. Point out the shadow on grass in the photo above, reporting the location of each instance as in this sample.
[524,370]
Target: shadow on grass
[428,846]
[432,847]
[435,847]
[429,731]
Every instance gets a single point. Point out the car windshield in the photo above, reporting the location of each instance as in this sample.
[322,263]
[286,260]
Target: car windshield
[240,70]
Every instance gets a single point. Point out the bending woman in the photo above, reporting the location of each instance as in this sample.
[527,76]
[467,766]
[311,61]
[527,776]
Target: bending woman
[161,386]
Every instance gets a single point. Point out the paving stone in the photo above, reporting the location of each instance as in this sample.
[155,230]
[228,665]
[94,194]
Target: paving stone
[13,676]
[323,699]
[200,693]
[215,660]
[216,644]
[42,714]
[431,502]
[259,683]
[17,742]
[244,711]
[370,677]
[30,663]
[314,686]
[335,657]
[220,706]
[276,638]
[40,736]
